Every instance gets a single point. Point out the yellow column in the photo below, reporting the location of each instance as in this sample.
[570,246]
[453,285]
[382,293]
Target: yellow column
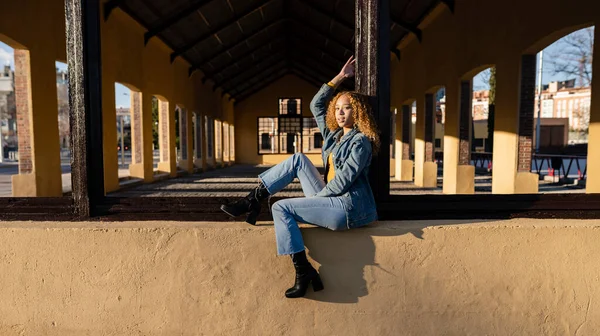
[166,135]
[109,134]
[403,163]
[141,111]
[593,159]
[451,139]
[420,142]
[199,141]
[37,110]
[506,126]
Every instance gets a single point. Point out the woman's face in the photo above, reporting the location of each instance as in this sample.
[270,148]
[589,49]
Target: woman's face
[344,115]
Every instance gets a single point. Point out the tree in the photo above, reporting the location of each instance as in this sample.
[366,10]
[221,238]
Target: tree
[573,56]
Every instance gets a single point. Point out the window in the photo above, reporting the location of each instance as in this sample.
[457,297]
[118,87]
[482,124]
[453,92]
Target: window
[438,143]
[478,142]
[267,136]
[290,106]
[312,140]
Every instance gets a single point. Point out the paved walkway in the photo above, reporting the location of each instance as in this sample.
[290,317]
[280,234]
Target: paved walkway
[238,180]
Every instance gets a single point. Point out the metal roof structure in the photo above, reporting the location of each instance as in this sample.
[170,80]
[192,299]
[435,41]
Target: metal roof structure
[244,45]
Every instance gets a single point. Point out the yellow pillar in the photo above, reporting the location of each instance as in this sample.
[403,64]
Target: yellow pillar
[451,138]
[166,135]
[593,159]
[403,164]
[141,137]
[109,134]
[420,142]
[37,110]
[186,160]
[199,141]
[506,126]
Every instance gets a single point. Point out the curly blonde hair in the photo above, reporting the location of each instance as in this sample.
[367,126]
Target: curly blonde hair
[363,117]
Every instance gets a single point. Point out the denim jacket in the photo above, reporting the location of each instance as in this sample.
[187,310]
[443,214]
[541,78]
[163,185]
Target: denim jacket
[351,156]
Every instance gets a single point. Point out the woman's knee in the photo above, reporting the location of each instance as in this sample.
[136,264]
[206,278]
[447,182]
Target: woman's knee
[300,157]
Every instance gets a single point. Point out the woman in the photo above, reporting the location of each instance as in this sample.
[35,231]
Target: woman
[343,201]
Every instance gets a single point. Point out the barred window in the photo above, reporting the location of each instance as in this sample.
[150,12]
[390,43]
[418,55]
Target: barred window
[290,106]
[312,139]
[267,136]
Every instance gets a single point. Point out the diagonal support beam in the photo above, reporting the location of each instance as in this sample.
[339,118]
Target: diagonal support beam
[330,15]
[217,29]
[250,71]
[306,77]
[305,43]
[173,19]
[261,86]
[408,27]
[109,6]
[450,4]
[303,25]
[252,83]
[234,45]
[241,58]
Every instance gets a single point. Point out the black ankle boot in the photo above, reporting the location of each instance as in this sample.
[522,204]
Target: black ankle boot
[305,274]
[249,204]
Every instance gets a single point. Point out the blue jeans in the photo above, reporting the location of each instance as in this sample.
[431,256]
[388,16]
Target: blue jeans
[327,212]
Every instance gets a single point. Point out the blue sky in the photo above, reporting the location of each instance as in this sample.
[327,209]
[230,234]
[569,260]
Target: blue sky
[122,92]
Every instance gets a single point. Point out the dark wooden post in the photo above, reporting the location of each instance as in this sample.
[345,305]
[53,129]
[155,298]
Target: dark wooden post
[373,79]
[85,103]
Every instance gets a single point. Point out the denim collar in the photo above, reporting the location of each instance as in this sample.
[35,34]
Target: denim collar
[340,133]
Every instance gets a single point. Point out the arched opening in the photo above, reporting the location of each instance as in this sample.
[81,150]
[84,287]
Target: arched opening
[64,127]
[554,120]
[226,143]
[123,96]
[197,139]
[209,126]
[9,143]
[155,135]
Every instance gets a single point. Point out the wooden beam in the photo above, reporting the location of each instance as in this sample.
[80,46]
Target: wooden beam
[373,80]
[234,45]
[450,4]
[258,88]
[217,29]
[261,82]
[306,77]
[408,27]
[242,85]
[85,104]
[242,75]
[244,56]
[109,6]
[331,15]
[169,21]
[303,25]
[305,43]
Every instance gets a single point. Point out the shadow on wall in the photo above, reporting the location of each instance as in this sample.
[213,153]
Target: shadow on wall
[343,272]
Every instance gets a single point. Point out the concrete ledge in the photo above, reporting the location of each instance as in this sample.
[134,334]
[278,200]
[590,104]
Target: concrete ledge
[394,278]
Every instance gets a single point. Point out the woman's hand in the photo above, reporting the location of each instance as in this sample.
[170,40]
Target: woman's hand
[348,68]
[346,72]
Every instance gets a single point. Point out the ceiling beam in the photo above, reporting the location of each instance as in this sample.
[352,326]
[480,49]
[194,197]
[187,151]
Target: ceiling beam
[241,58]
[243,85]
[109,6]
[408,27]
[317,72]
[306,77]
[304,43]
[304,25]
[251,84]
[234,45]
[331,15]
[450,4]
[262,85]
[250,70]
[173,19]
[217,29]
